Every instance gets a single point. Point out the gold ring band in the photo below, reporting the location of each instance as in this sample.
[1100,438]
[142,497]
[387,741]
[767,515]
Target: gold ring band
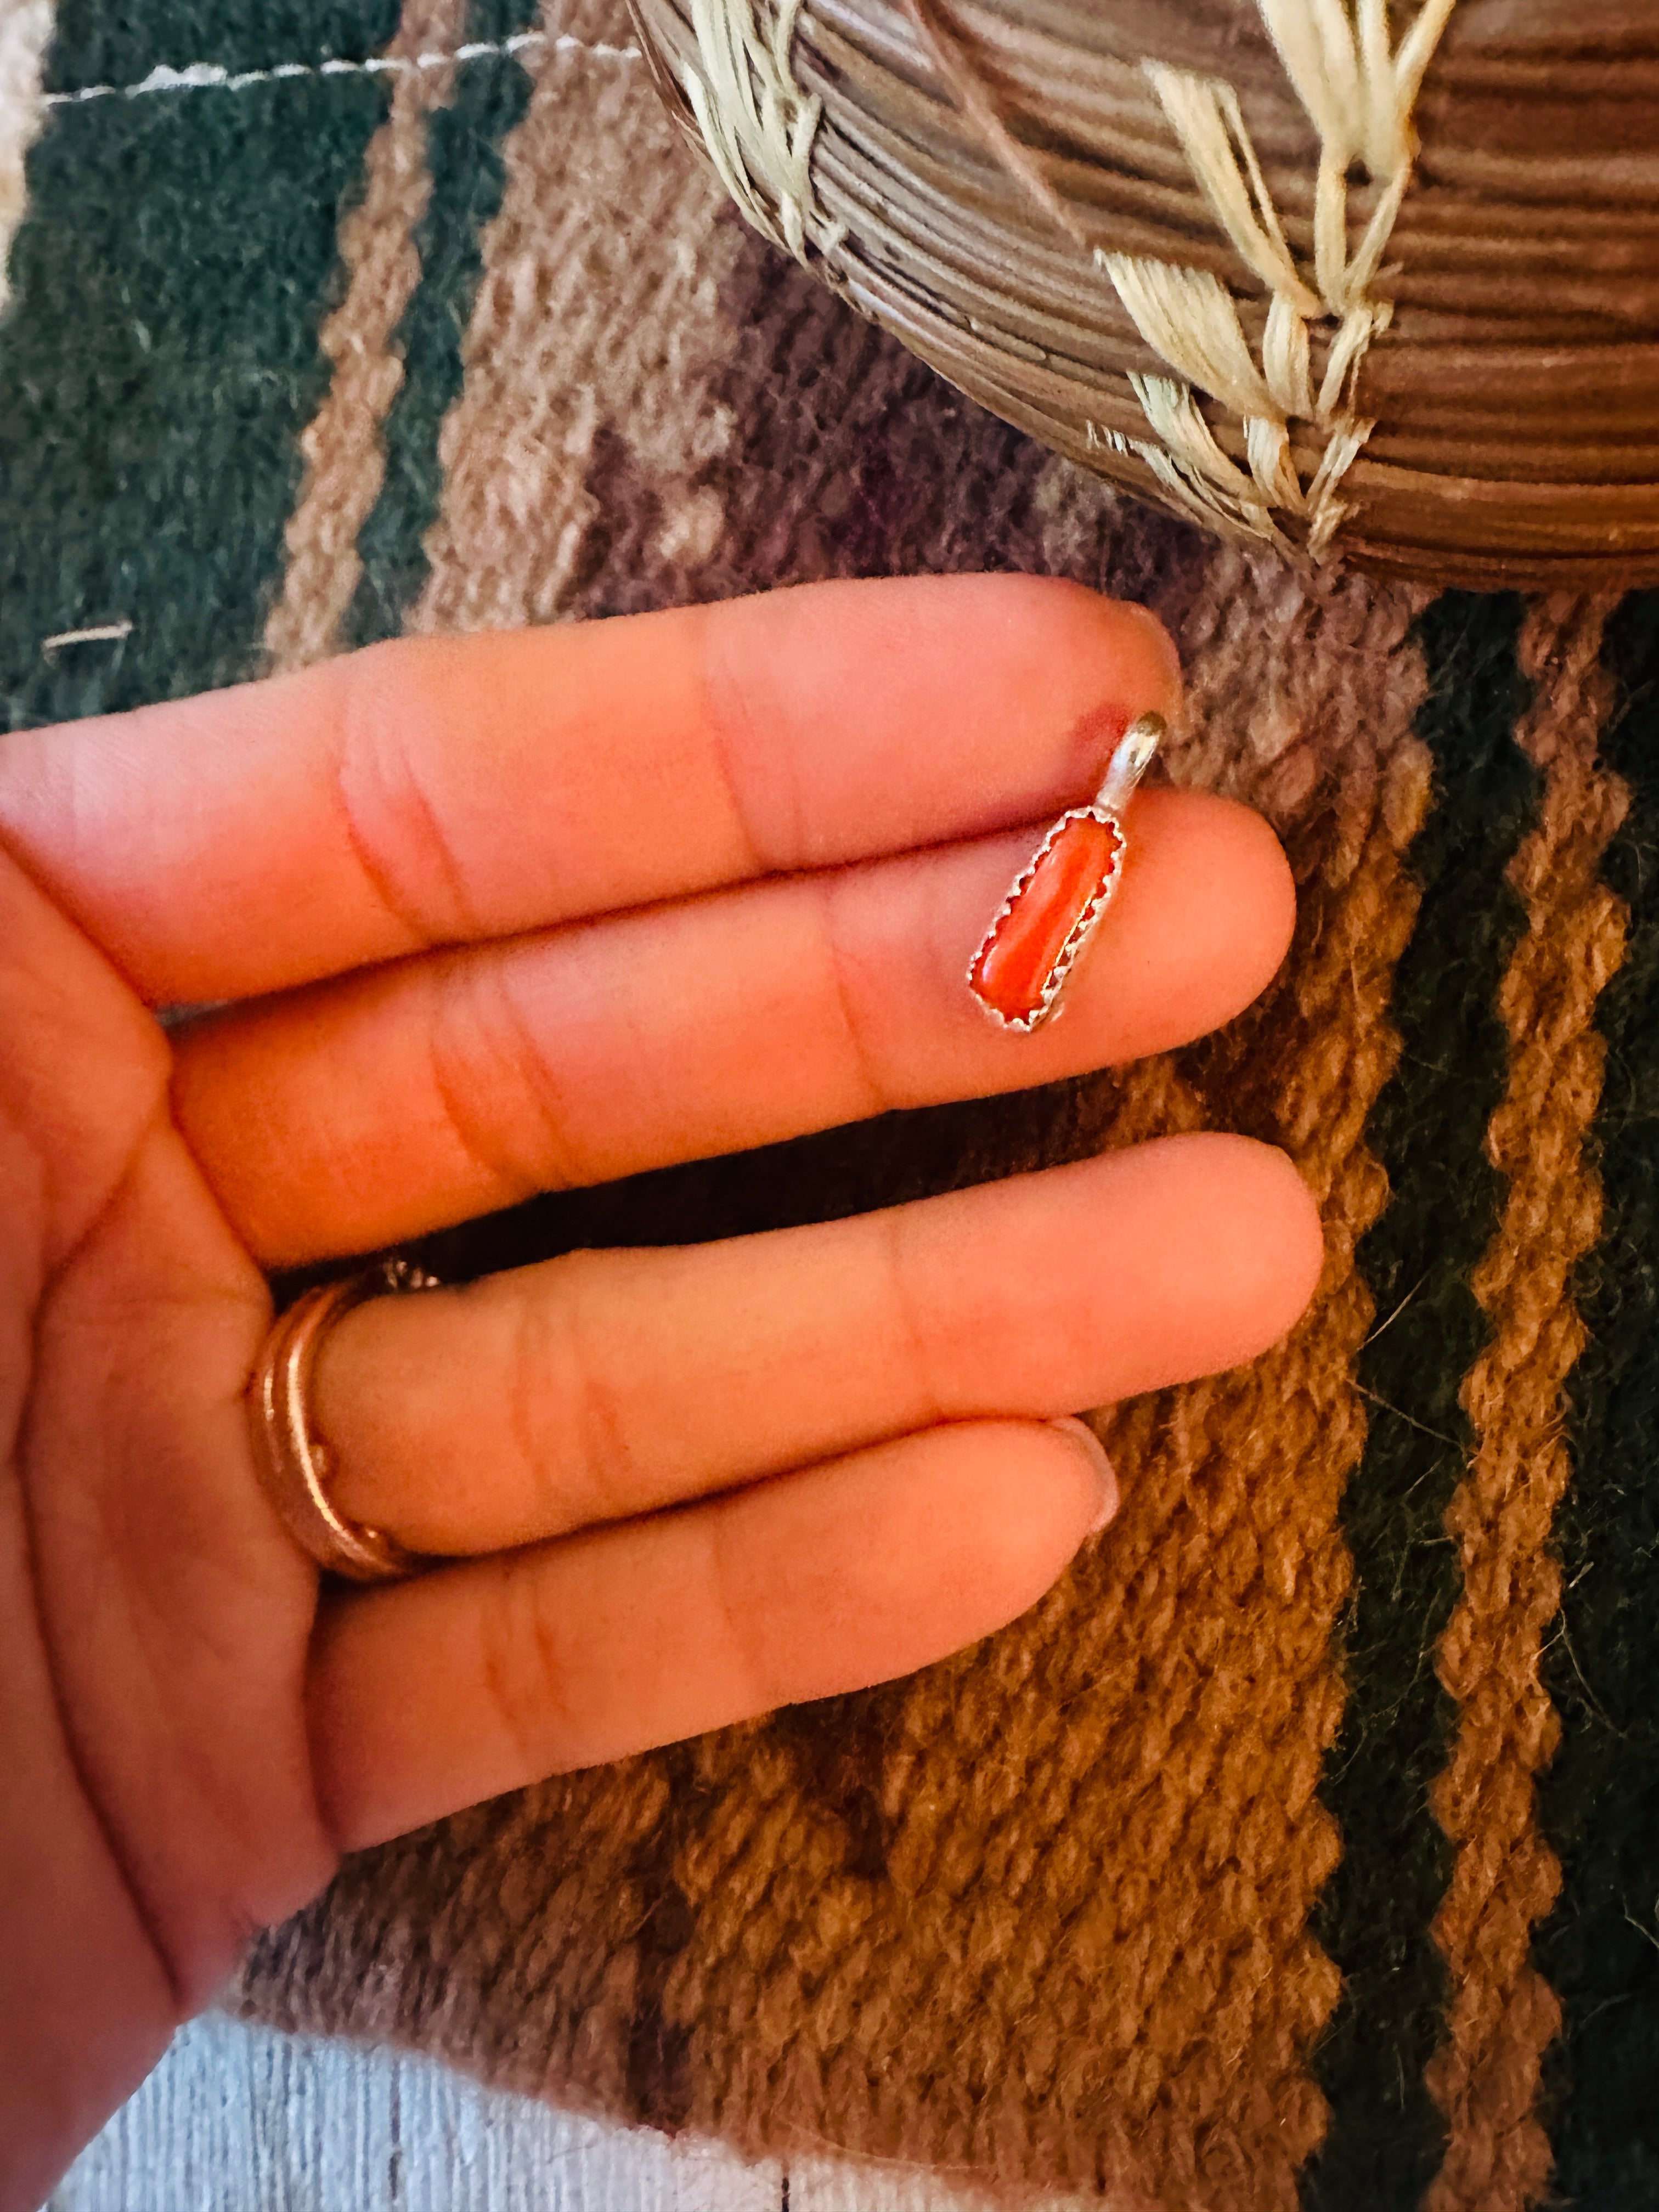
[293,1463]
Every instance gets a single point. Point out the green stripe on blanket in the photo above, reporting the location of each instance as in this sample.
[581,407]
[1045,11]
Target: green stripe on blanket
[464,145]
[98,43]
[186,239]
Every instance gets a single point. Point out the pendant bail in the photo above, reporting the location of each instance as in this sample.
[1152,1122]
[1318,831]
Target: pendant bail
[1130,762]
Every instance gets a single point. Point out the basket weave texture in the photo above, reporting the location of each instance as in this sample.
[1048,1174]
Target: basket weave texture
[972,166]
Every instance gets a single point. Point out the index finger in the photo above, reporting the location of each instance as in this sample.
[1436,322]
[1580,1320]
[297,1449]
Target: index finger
[445,790]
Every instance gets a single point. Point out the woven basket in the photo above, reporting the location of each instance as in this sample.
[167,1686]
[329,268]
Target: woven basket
[1385,291]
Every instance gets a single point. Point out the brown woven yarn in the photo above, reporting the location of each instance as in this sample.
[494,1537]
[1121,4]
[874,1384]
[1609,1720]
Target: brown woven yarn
[967,167]
[1503,2015]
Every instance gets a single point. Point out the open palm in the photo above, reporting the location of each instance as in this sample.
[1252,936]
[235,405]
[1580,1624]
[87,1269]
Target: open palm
[481,917]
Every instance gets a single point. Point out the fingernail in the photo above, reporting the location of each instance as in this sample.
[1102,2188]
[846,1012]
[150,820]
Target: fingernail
[1082,1438]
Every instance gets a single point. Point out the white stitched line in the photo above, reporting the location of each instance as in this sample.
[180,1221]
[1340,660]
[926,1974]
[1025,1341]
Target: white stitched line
[201,76]
[100,633]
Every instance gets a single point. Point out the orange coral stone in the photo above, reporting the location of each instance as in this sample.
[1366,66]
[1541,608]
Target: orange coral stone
[1011,969]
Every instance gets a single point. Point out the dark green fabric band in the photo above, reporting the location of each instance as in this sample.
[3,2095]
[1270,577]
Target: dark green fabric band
[187,240]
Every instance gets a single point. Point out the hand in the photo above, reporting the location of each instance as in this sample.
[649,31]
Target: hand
[485,916]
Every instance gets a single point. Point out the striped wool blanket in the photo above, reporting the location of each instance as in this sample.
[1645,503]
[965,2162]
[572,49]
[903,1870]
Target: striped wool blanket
[1302,1848]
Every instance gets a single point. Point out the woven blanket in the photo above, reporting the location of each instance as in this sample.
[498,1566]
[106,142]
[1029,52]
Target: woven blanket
[1302,1848]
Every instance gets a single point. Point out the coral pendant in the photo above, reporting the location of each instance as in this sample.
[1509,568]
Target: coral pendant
[1029,948]
[1049,916]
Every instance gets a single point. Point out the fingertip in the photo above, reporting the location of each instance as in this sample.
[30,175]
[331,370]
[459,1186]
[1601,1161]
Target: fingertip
[1219,864]
[1204,1250]
[1142,649]
[1266,1242]
[1105,662]
[1269,868]
[859,715]
[1030,1493]
[963,1528]
[1301,1239]
[1082,1440]
[1199,930]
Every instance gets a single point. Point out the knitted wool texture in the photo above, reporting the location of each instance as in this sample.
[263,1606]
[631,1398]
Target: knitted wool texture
[1300,1849]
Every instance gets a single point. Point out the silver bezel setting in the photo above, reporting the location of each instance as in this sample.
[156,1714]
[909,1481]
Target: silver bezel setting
[1081,931]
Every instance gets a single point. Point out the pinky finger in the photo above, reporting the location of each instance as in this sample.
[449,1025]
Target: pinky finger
[430,1695]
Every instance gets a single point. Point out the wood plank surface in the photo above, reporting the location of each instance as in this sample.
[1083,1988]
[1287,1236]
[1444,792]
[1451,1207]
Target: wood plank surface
[243,2119]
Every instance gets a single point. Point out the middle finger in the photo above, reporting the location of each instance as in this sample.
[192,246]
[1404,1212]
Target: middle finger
[361,1112]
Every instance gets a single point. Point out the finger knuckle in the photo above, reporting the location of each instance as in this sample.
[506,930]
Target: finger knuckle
[570,1394]
[524,1669]
[392,819]
[495,1085]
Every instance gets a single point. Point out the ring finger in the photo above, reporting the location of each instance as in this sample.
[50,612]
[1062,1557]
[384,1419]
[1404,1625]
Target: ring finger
[602,1385]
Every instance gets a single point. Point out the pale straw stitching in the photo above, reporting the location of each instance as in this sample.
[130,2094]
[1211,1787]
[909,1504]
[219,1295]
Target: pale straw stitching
[756,122]
[1359,92]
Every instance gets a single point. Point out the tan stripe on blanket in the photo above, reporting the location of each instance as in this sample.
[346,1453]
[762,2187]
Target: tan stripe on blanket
[345,461]
[1503,2015]
[601,285]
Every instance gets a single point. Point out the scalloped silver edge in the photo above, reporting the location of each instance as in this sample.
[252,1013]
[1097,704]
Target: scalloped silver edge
[1082,929]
